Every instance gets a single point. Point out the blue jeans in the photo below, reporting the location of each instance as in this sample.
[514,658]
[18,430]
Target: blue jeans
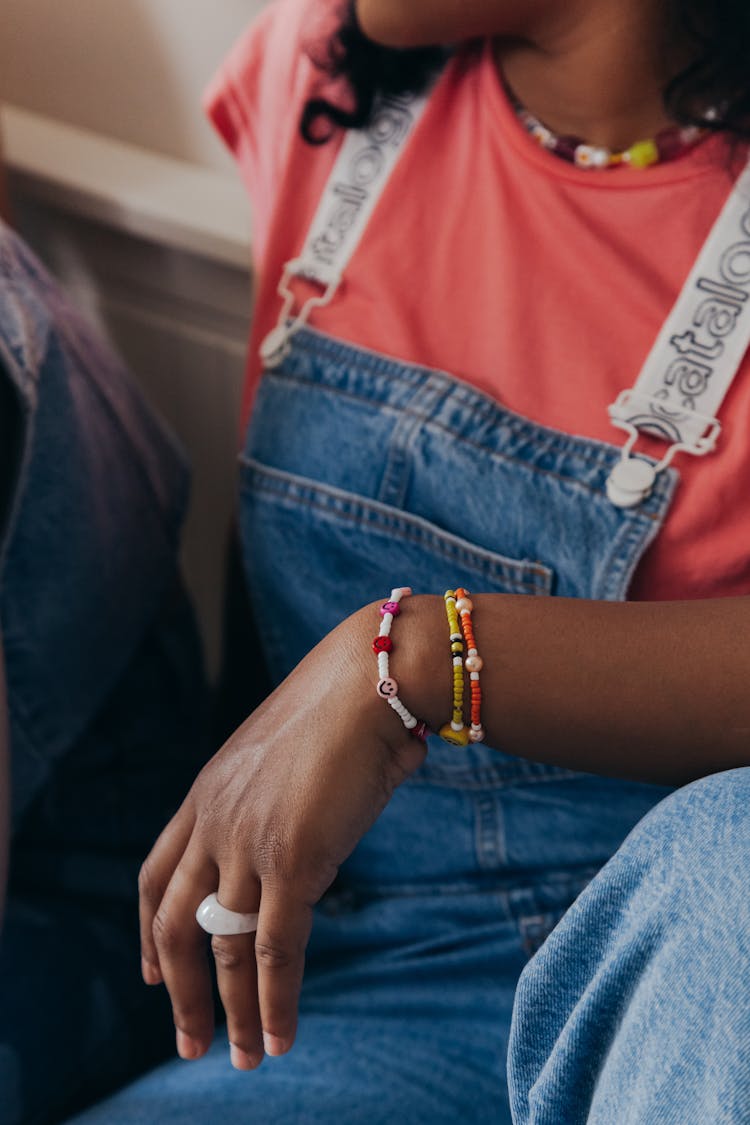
[106,699]
[637,1008]
[361,473]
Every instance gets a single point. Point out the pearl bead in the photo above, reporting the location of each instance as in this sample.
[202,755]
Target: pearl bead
[464,605]
[474,663]
[476,734]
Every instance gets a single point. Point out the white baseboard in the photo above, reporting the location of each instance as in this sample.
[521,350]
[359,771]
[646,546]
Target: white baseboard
[139,192]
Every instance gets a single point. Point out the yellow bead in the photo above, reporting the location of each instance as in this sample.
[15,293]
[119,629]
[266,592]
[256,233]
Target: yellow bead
[642,154]
[454,737]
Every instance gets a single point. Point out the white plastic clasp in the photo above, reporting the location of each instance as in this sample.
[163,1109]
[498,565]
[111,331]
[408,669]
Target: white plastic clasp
[633,478]
[275,346]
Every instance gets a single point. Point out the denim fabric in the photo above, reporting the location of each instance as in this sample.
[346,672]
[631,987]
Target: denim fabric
[92,539]
[637,1009]
[361,473]
[106,700]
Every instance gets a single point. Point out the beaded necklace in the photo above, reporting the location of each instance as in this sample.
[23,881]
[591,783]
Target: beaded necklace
[666,145]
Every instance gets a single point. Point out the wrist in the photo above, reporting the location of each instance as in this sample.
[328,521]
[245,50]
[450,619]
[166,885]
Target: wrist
[423,667]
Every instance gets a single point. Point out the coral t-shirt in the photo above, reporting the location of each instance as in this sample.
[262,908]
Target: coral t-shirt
[541,284]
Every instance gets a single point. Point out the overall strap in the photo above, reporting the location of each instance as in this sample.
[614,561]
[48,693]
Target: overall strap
[695,358]
[358,180]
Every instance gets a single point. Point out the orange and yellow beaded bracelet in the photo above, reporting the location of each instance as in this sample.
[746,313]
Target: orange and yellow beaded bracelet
[455,732]
[472,662]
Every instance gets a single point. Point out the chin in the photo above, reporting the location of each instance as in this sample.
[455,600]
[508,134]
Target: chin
[383,22]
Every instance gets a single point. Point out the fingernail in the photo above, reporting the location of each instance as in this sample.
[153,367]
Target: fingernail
[187,1047]
[273,1045]
[240,1059]
[150,972]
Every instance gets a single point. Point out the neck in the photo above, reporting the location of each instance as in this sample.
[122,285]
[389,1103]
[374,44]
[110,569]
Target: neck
[597,76]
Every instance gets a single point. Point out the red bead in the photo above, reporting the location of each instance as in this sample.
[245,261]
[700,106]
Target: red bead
[670,144]
[382,644]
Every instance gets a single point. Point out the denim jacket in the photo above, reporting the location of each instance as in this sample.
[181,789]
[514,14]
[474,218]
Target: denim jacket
[88,548]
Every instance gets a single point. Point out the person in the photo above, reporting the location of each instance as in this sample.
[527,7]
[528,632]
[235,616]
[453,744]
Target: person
[102,696]
[493,211]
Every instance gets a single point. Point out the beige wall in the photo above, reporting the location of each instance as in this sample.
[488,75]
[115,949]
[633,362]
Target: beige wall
[131,69]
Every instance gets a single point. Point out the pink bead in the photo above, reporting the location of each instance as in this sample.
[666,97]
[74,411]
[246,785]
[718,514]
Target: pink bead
[390,607]
[387,688]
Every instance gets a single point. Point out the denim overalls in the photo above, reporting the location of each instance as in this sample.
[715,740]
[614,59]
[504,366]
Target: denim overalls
[360,472]
[105,696]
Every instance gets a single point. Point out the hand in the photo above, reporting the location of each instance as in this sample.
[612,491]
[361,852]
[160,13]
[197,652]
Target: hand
[266,825]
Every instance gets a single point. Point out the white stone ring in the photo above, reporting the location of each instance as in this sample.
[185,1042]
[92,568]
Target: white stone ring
[216,919]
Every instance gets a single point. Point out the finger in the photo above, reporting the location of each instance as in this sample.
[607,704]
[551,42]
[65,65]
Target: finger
[183,955]
[283,931]
[236,973]
[153,880]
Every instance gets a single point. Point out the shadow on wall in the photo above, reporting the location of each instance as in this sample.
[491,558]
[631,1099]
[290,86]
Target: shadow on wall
[132,71]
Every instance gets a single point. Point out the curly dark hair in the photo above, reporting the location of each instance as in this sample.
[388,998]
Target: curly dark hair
[716,34]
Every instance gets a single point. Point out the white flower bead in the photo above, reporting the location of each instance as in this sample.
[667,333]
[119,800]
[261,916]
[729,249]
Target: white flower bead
[592,156]
[464,605]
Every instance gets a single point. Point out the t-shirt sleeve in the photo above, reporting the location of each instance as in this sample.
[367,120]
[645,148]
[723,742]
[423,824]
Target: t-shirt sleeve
[256,99]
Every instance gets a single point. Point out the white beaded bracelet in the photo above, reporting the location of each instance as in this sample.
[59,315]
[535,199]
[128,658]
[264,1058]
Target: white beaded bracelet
[387,686]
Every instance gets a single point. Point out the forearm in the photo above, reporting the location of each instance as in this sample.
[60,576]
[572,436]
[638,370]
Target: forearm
[649,690]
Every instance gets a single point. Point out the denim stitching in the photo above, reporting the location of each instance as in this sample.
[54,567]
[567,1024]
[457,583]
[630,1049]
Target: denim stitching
[413,529]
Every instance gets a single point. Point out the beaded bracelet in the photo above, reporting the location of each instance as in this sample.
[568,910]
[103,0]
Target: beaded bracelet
[473,663]
[455,732]
[382,646]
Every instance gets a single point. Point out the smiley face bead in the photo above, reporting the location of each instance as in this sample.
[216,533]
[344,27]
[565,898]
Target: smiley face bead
[382,644]
[387,688]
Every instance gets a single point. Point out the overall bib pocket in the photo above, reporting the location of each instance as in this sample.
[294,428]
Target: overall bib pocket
[344,550]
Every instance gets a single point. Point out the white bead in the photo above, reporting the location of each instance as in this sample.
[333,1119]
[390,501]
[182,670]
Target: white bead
[457,726]
[457,661]
[457,636]
[383,665]
[473,675]
[464,605]
[591,156]
[410,723]
[542,135]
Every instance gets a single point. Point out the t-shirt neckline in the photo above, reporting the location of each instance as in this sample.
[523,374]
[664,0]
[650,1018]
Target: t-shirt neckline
[698,161]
